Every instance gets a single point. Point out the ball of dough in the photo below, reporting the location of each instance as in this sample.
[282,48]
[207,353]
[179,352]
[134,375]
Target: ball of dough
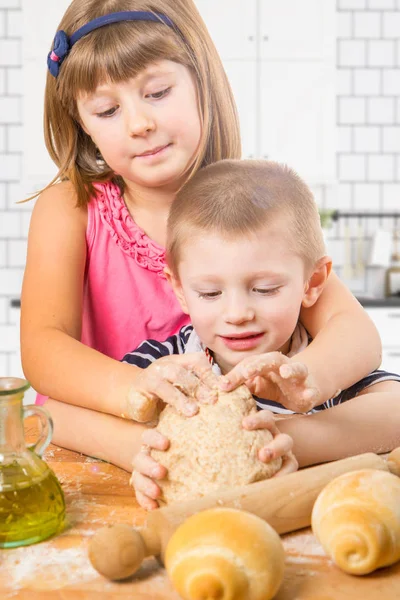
[211,451]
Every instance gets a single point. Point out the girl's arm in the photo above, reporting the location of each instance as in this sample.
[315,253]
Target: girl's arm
[346,345]
[368,423]
[54,361]
[96,434]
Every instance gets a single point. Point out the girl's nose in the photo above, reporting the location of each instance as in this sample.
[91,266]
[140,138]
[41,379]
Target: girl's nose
[140,123]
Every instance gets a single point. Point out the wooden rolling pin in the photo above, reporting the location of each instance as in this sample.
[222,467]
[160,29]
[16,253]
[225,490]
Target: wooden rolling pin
[284,502]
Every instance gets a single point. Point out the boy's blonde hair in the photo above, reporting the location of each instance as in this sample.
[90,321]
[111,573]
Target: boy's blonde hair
[118,52]
[237,197]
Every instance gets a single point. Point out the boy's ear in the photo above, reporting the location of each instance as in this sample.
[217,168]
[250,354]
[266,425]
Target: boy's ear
[177,287]
[317,281]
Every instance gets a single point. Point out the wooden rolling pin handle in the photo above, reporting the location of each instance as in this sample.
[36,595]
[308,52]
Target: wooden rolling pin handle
[285,503]
[118,551]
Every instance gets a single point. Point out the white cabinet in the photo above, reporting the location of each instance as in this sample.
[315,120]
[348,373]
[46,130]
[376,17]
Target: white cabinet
[242,76]
[297,89]
[280,60]
[297,116]
[387,321]
[294,30]
[232,25]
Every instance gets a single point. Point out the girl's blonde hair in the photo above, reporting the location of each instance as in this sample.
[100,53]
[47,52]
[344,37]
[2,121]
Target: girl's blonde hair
[118,52]
[235,198]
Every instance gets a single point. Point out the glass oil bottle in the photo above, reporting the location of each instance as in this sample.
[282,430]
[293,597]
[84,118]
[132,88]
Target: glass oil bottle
[32,506]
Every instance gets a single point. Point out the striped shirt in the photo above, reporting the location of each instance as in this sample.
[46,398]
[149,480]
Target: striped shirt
[187,340]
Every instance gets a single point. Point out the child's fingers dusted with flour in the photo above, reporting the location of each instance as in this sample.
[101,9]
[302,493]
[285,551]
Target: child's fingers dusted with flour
[277,377]
[176,380]
[281,445]
[146,469]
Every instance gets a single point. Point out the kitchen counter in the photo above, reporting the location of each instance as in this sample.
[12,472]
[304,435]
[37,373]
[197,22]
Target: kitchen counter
[370,302]
[98,494]
[367,301]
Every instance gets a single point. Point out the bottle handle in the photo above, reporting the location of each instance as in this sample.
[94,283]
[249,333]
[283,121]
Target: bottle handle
[46,430]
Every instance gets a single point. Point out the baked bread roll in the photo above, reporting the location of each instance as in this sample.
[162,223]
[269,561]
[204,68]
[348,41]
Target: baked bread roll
[223,554]
[356,518]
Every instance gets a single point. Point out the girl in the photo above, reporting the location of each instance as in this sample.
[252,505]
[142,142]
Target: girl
[136,102]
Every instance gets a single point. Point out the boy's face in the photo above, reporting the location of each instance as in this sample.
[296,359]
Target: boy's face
[243,296]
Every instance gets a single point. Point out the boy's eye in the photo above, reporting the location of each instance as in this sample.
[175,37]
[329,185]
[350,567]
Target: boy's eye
[266,291]
[159,95]
[208,295]
[108,113]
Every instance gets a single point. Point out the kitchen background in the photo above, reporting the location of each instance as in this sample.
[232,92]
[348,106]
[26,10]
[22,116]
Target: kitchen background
[317,84]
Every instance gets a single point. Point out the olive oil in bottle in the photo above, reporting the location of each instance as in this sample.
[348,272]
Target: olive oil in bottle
[30,511]
[32,506]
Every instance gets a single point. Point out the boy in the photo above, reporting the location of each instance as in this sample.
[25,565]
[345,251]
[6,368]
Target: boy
[245,253]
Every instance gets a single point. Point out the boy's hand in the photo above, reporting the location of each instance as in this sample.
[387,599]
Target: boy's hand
[146,469]
[180,380]
[276,377]
[280,447]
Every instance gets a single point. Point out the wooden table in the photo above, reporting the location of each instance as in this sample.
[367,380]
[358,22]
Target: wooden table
[97,494]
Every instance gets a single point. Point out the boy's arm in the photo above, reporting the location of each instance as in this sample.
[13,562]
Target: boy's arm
[346,345]
[96,434]
[368,423]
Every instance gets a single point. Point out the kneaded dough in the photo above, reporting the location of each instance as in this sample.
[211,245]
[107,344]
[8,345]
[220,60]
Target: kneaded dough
[211,451]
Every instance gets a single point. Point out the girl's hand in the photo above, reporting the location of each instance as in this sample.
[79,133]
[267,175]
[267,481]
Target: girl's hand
[276,377]
[179,380]
[146,469]
[280,447]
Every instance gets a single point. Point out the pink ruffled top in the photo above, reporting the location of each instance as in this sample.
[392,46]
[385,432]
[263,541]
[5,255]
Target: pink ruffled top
[127,298]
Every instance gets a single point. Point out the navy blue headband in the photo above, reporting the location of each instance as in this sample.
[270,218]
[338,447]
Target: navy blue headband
[63,43]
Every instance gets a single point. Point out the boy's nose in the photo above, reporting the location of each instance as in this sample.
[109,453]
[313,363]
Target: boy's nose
[237,312]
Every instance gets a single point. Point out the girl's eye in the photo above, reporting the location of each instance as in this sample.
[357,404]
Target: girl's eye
[208,295]
[108,113]
[266,291]
[159,95]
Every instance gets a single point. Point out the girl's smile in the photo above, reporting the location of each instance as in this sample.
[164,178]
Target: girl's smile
[154,153]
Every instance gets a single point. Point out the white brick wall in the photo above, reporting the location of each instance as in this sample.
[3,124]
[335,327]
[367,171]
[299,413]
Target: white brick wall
[351,53]
[381,110]
[12,228]
[367,139]
[367,82]
[352,110]
[368,159]
[366,25]
[368,114]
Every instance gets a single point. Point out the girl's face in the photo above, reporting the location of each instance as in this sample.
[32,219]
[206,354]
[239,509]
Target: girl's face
[148,128]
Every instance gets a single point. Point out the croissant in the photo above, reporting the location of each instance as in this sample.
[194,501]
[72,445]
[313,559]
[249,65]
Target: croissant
[225,554]
[356,518]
